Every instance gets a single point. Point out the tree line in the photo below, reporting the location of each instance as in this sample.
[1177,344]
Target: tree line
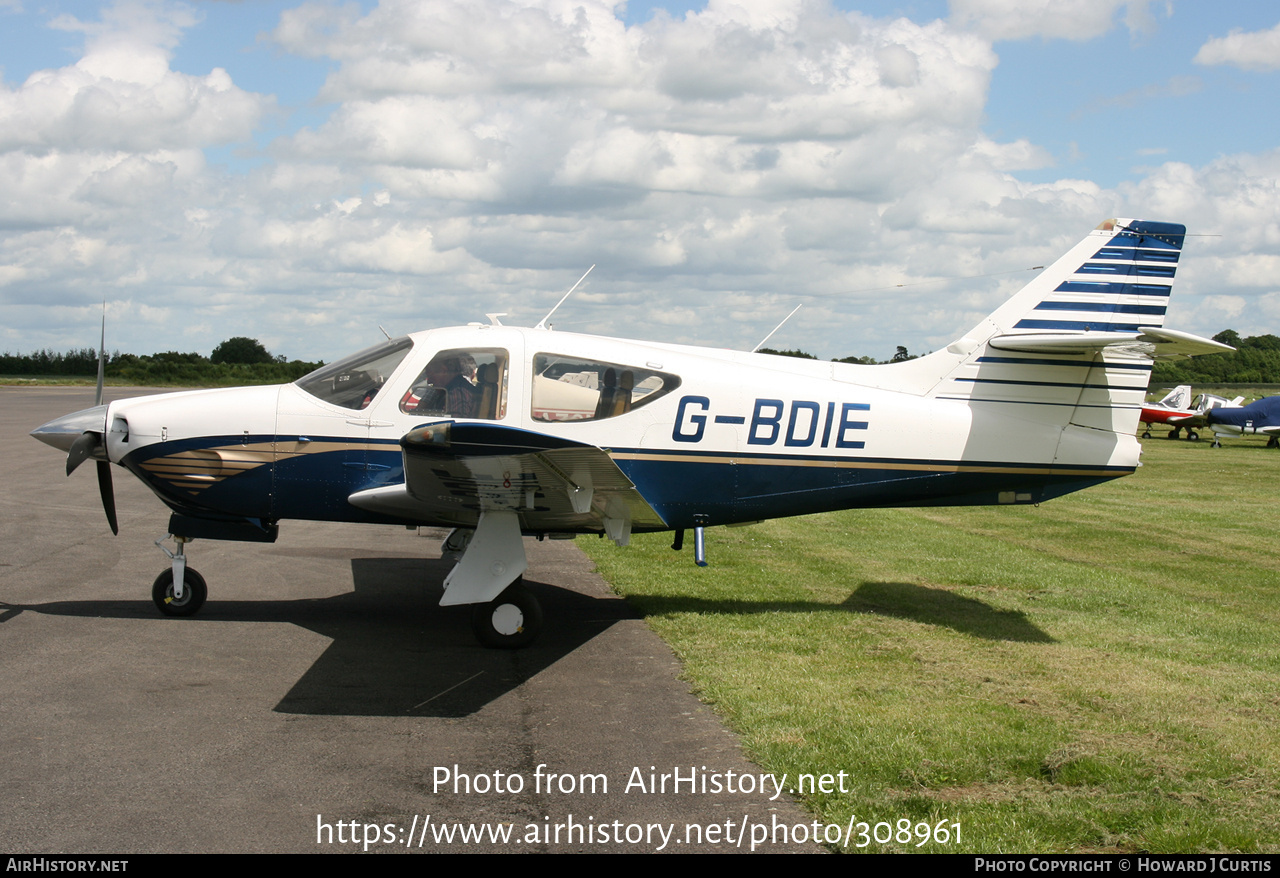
[1255,360]
[899,356]
[236,361]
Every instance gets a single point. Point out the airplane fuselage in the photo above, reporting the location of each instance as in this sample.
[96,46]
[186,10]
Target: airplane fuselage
[735,437]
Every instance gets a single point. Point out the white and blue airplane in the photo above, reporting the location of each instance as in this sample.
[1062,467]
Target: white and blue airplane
[502,432]
[1260,417]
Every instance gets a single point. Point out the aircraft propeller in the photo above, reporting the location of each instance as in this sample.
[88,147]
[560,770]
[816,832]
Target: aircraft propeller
[90,442]
[108,493]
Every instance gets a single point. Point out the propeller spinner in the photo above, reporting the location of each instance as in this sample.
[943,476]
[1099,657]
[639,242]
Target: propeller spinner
[80,434]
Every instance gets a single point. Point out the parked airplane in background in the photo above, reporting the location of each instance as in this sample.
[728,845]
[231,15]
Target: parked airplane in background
[1199,416]
[1173,410]
[502,432]
[1261,417]
[1174,404]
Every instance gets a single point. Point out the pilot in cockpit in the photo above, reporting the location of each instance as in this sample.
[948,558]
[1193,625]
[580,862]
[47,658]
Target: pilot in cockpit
[447,386]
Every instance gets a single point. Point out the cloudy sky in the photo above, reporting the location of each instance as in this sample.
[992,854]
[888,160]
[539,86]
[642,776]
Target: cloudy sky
[303,172]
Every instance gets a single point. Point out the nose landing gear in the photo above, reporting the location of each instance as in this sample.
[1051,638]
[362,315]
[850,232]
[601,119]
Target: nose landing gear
[178,591]
[194,591]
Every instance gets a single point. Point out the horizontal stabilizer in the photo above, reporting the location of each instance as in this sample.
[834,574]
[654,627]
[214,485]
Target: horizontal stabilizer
[1158,343]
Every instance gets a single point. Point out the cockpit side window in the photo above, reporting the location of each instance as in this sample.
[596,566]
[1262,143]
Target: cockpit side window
[461,383]
[354,381]
[573,389]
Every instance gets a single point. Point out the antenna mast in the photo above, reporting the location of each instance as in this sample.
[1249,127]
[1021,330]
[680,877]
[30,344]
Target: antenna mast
[776,328]
[542,324]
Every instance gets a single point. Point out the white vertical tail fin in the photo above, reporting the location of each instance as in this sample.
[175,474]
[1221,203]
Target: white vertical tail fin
[1064,364]
[1178,398]
[1077,342]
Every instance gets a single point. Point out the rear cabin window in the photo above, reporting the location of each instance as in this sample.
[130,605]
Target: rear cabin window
[460,383]
[573,389]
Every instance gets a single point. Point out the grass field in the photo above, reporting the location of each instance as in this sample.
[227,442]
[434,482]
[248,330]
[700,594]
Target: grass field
[1101,673]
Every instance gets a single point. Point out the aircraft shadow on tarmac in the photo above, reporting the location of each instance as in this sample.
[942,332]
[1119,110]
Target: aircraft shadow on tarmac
[393,653]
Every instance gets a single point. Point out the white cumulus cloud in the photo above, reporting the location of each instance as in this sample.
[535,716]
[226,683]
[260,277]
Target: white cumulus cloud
[1248,50]
[1050,19]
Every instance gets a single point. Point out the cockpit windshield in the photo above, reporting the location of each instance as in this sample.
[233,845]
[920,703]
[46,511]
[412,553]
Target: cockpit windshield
[354,381]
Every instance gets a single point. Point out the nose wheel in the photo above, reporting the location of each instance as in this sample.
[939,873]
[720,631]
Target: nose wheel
[510,621]
[179,591]
[194,591]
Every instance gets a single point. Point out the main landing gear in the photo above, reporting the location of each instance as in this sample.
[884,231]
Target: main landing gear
[510,621]
[489,575]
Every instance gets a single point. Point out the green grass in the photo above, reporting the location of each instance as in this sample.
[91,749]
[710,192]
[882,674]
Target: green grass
[1101,673]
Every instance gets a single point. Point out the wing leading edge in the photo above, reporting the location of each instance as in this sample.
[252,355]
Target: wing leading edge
[456,471]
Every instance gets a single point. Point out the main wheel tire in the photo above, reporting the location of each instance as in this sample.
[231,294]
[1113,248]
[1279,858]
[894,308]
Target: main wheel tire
[512,620]
[1193,436]
[1146,434]
[194,591]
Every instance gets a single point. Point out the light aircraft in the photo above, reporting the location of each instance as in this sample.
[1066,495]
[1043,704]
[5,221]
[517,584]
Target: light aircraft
[1173,410]
[502,432]
[1198,417]
[1174,404]
[1261,417]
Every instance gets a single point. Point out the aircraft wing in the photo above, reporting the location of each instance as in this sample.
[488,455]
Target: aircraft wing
[454,471]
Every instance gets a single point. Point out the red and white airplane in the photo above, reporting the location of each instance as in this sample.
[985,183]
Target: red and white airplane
[1176,404]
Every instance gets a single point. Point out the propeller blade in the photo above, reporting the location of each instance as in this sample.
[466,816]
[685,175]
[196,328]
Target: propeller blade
[81,449]
[108,495]
[102,354]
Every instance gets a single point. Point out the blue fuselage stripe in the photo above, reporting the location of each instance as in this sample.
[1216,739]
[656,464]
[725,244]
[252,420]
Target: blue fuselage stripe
[725,486]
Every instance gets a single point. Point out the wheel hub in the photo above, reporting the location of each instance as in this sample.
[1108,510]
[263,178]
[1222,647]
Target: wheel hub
[507,619]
